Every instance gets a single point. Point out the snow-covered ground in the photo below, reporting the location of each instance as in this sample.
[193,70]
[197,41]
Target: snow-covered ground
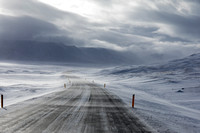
[158,101]
[167,96]
[21,82]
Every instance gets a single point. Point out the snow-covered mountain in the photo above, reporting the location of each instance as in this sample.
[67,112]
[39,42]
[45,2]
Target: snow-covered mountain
[49,51]
[187,64]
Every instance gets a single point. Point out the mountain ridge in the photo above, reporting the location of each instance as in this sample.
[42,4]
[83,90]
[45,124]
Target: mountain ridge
[188,64]
[26,50]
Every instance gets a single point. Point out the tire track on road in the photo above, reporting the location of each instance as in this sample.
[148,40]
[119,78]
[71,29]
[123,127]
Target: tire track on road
[83,108]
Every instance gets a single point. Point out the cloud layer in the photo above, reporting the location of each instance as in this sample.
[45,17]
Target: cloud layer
[161,29]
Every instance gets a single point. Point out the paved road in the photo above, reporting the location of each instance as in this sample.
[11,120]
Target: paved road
[82,108]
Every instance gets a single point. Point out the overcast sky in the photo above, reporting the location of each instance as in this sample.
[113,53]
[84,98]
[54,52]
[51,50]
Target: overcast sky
[168,28]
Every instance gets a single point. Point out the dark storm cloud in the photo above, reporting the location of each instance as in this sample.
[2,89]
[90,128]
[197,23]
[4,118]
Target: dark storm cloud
[166,38]
[28,28]
[61,19]
[24,27]
[189,26]
[147,28]
[186,27]
[30,19]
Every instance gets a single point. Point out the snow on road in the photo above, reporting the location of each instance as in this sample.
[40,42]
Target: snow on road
[84,107]
[167,97]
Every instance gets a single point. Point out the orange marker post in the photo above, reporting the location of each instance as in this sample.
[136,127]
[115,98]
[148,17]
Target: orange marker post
[1,101]
[133,101]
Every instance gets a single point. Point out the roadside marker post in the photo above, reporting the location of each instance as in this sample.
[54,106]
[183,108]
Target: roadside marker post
[104,85]
[1,101]
[65,86]
[133,101]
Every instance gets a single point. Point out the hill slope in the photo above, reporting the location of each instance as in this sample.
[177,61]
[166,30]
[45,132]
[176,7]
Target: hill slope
[187,64]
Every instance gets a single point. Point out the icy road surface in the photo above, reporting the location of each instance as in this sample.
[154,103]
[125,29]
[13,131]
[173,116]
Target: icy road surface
[82,108]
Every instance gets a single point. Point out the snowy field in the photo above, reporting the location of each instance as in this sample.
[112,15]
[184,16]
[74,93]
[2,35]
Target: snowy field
[167,96]
[21,82]
[158,100]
